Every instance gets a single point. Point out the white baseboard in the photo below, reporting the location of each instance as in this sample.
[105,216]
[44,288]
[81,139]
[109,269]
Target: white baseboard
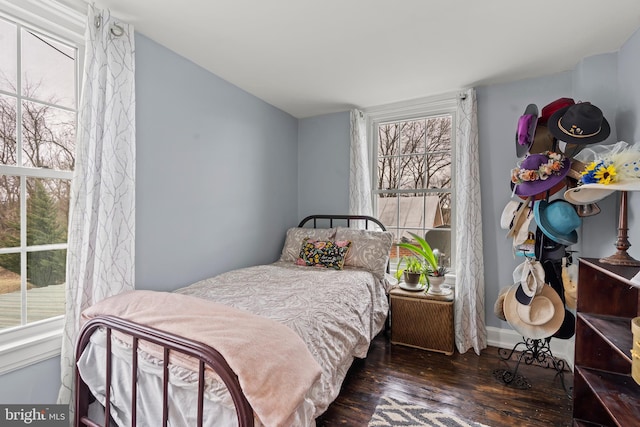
[507,338]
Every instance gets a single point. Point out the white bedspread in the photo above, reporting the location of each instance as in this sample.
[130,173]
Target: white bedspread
[336,314]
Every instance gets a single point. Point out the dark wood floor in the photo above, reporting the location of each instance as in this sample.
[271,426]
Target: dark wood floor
[461,384]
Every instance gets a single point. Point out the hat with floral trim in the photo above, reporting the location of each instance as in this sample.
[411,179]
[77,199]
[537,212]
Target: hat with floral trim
[538,173]
[613,168]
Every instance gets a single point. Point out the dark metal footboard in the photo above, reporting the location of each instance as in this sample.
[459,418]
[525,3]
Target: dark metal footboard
[206,356]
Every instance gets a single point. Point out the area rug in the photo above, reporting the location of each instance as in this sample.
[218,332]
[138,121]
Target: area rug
[394,413]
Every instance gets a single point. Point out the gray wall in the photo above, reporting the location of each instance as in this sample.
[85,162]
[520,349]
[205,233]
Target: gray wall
[323,164]
[217,174]
[37,384]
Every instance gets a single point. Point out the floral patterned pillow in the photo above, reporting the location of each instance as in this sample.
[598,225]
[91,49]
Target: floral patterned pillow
[369,249]
[295,238]
[324,253]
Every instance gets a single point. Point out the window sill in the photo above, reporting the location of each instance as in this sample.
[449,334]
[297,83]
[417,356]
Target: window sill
[450,279]
[33,343]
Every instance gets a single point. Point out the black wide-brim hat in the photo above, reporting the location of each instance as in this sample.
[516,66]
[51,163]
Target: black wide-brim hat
[582,123]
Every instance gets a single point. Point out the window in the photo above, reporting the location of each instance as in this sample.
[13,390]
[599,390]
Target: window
[413,176]
[38,116]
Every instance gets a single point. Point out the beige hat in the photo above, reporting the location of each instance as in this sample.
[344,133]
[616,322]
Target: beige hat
[531,274]
[536,318]
[508,214]
[516,217]
[498,307]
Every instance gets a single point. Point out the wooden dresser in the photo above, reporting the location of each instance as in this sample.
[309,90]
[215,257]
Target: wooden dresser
[604,393]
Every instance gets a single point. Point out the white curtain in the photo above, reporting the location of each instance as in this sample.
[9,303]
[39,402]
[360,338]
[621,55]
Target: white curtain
[360,202]
[100,255]
[470,328]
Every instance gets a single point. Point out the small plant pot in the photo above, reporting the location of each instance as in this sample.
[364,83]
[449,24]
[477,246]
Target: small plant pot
[435,283]
[411,279]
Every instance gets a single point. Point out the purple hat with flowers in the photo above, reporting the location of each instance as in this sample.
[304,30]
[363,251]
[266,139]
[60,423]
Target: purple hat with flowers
[538,173]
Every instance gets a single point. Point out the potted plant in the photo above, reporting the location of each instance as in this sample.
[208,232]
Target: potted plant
[414,269]
[426,257]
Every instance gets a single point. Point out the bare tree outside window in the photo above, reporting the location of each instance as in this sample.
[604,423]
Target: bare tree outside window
[37,155]
[414,179]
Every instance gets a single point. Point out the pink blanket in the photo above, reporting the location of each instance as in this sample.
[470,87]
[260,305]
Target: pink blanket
[273,365]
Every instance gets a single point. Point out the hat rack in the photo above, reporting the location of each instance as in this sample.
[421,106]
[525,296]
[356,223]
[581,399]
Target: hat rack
[536,351]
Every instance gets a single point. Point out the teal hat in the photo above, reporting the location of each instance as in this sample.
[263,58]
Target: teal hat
[558,220]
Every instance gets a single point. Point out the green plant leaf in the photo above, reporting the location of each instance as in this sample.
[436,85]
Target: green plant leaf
[423,250]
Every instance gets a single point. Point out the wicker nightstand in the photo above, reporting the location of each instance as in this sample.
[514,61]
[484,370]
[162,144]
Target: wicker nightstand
[422,321]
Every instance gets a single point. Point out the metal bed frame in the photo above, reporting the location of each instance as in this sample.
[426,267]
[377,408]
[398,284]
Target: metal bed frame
[206,355]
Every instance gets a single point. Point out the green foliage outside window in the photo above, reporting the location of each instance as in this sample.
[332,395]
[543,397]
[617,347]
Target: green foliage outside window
[44,268]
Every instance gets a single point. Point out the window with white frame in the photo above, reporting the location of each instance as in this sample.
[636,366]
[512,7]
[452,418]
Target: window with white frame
[413,183]
[38,118]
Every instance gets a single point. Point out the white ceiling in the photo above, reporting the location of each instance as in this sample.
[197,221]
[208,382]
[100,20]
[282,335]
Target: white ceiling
[315,57]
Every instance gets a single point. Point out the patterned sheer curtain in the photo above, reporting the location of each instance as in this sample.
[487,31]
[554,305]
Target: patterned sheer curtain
[360,202]
[470,328]
[100,255]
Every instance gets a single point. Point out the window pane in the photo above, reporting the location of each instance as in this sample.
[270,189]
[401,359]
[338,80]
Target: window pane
[387,173]
[412,172]
[47,211]
[8,56]
[48,136]
[9,211]
[10,301]
[388,135]
[8,146]
[46,277]
[439,134]
[412,136]
[48,69]
[388,211]
[440,239]
[438,170]
[445,207]
[411,217]
[387,150]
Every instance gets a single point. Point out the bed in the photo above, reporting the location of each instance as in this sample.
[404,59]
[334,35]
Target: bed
[263,345]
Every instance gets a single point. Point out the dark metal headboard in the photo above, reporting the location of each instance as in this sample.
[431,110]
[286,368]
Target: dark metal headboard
[347,218]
